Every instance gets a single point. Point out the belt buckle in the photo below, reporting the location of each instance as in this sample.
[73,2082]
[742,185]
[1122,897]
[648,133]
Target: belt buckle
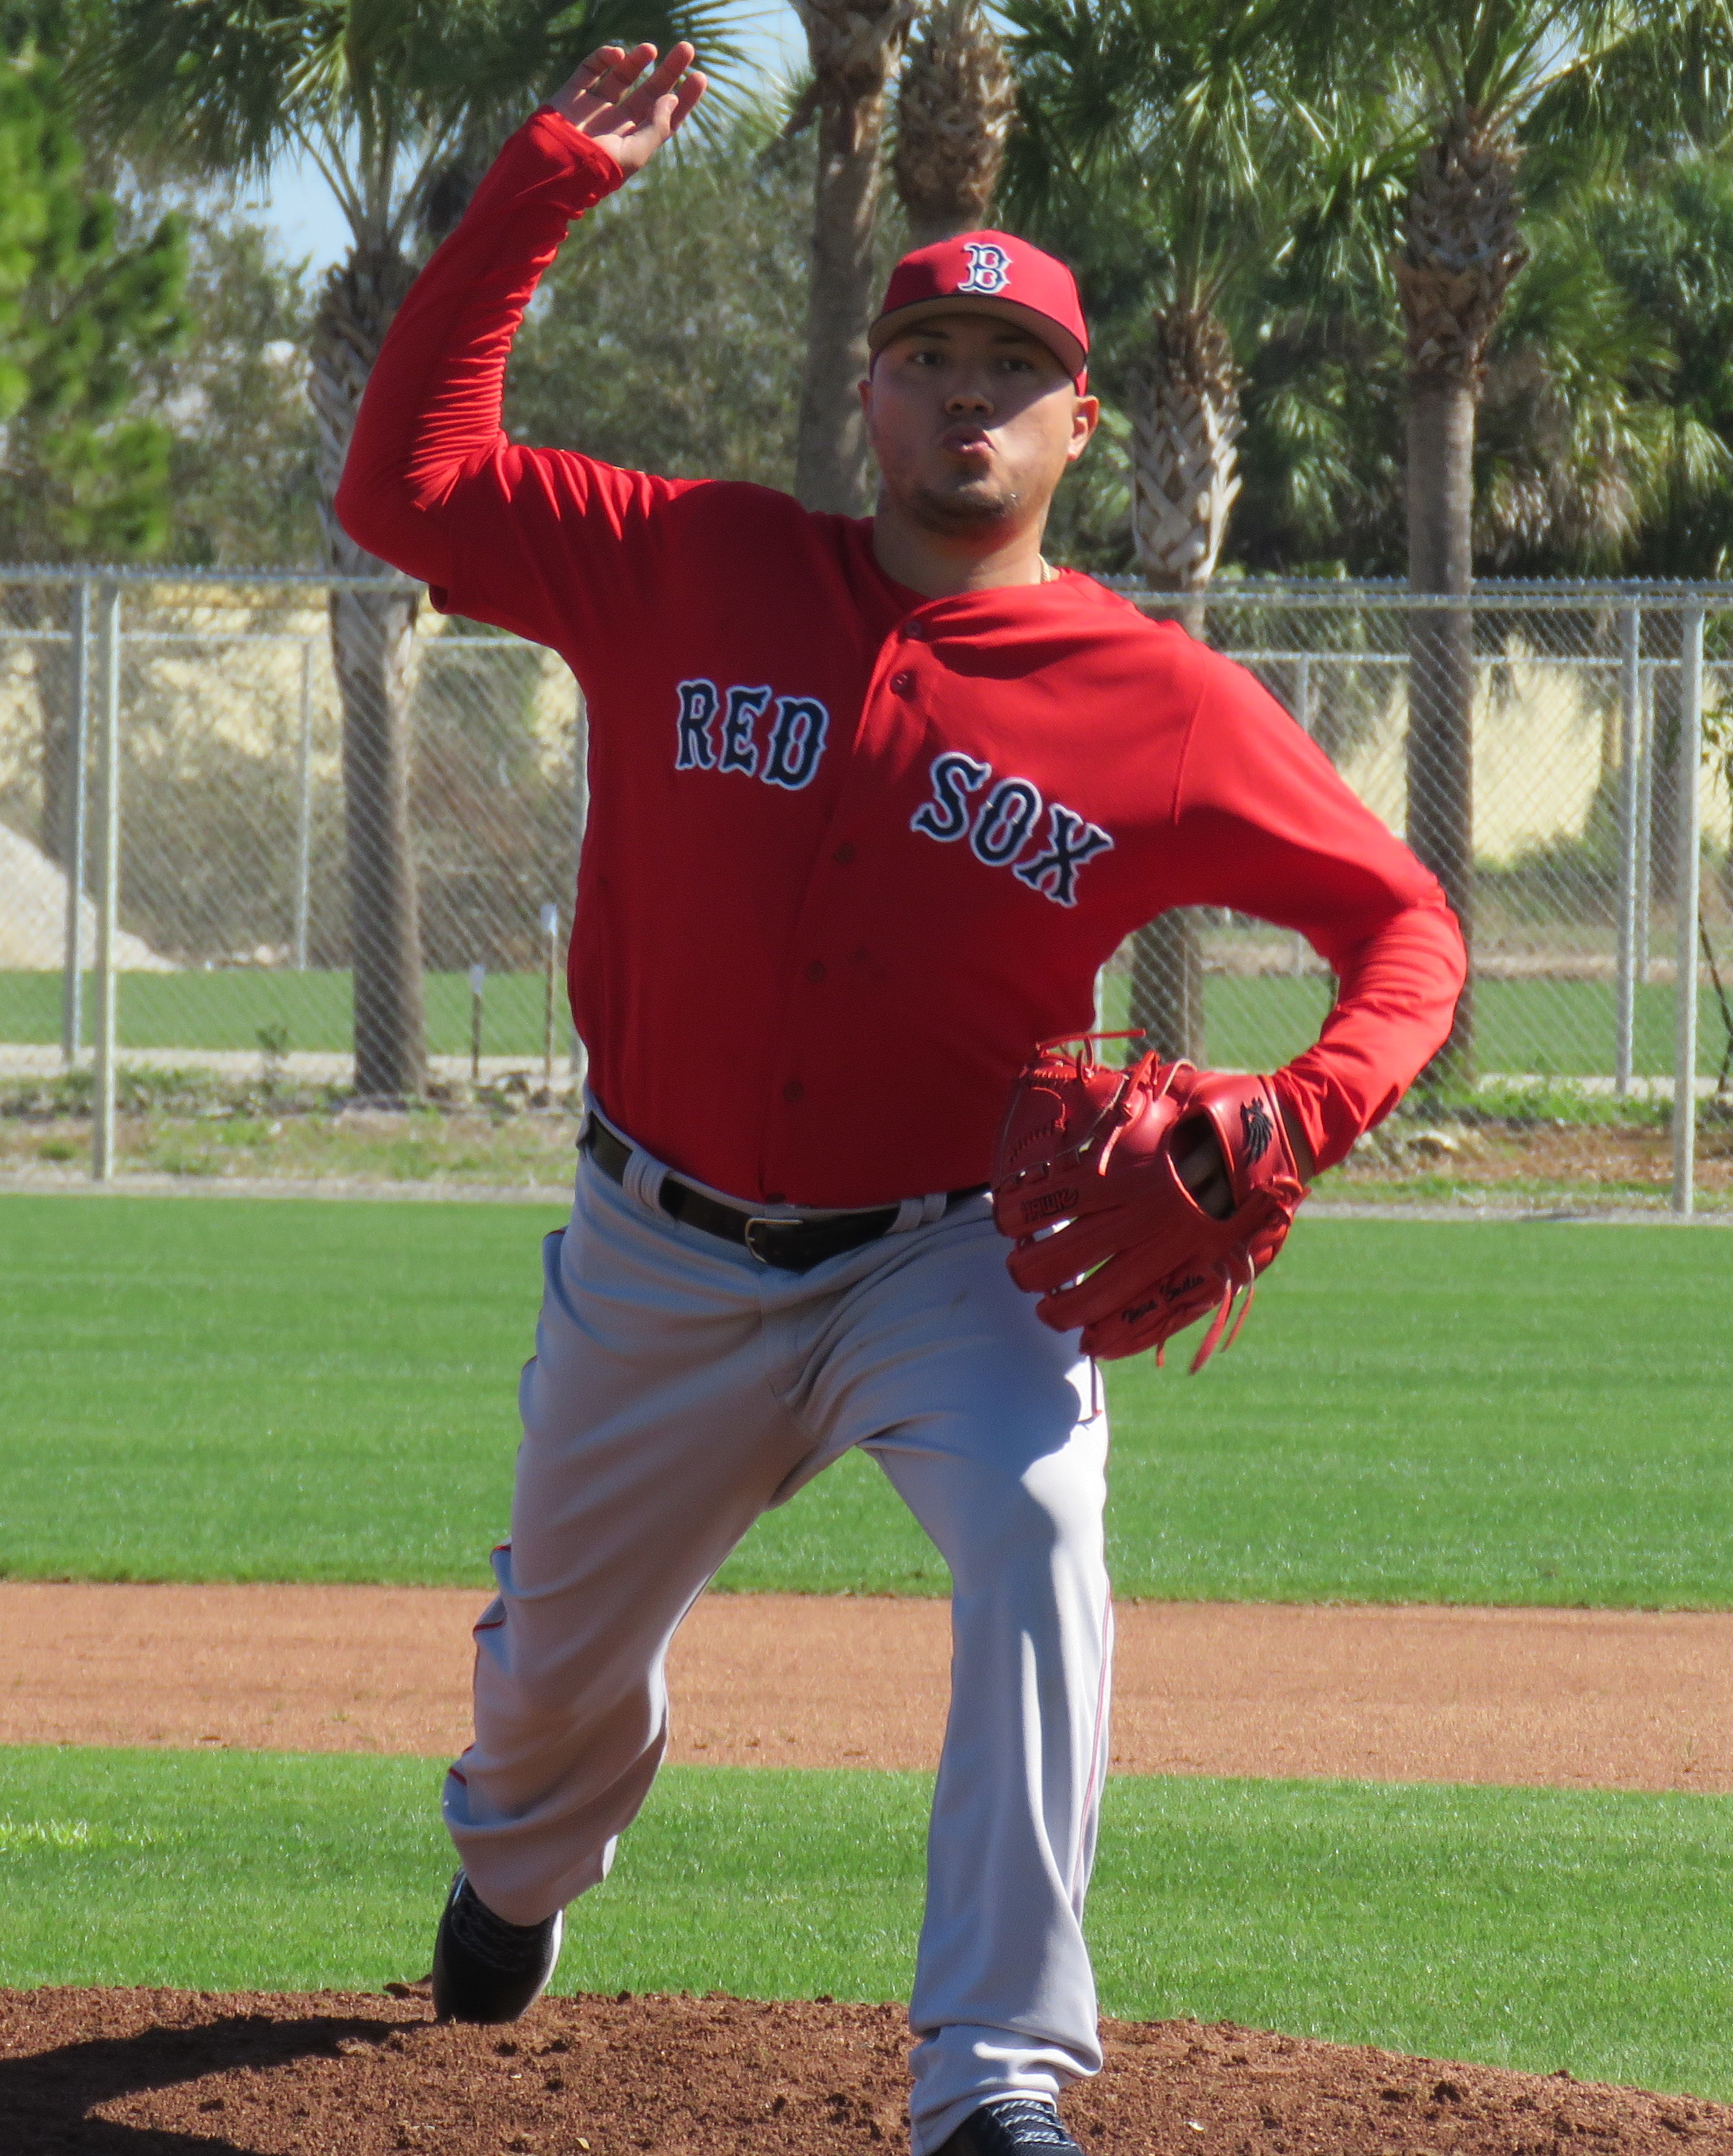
[758,1220]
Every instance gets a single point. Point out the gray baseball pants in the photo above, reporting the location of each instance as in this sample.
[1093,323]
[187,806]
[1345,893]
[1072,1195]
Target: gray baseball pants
[680,1389]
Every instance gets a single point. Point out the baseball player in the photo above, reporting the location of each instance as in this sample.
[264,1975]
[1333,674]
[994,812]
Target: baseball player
[873,801]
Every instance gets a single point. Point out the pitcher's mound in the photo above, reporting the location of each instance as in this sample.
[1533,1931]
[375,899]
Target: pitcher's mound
[350,2074]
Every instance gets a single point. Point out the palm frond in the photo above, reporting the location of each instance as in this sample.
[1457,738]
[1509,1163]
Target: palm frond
[379,89]
[1215,115]
[1661,77]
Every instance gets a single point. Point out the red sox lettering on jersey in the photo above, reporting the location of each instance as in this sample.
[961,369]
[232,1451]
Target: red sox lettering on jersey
[718,729]
[837,827]
[788,753]
[1009,811]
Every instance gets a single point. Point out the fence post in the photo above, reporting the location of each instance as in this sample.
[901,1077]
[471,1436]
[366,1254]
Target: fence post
[72,979]
[581,824]
[1303,716]
[1645,815]
[108,874]
[1630,797]
[304,813]
[551,970]
[1690,871]
[1302,691]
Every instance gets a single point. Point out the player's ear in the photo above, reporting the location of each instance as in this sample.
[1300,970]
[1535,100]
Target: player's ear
[864,387]
[1085,417]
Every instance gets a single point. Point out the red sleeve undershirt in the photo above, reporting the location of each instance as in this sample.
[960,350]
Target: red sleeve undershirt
[552,545]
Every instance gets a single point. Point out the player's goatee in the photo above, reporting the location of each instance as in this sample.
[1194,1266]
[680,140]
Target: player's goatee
[975,505]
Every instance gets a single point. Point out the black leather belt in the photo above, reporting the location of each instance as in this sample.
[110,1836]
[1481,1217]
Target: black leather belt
[792,1246]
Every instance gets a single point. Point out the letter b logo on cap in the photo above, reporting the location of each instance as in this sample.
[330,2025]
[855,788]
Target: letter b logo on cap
[989,267]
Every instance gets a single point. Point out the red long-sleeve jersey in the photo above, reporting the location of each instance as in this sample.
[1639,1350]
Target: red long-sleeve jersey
[853,852]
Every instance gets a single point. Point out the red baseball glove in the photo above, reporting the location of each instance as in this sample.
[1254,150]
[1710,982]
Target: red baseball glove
[1107,1234]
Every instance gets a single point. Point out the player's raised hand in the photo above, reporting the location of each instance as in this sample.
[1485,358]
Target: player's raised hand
[629,113]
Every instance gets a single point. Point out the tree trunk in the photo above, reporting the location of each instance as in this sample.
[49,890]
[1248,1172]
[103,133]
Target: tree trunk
[373,637]
[1461,250]
[1167,1000]
[1667,631]
[853,48]
[1185,423]
[1441,671]
[1184,427]
[954,106]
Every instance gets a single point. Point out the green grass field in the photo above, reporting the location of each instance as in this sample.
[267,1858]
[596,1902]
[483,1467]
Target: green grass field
[308,1389]
[1550,1027]
[1535,1928]
[227,1008]
[324,1390]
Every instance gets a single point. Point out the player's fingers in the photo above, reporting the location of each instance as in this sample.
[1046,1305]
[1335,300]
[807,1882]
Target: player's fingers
[648,93]
[671,110]
[576,97]
[614,86]
[686,96]
[635,142]
[593,66]
[595,97]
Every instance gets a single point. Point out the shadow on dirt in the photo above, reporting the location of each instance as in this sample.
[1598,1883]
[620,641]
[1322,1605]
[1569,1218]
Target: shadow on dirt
[45,2098]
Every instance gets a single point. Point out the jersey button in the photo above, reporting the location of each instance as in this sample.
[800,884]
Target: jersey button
[903,683]
[792,1091]
[915,631]
[817,970]
[844,854]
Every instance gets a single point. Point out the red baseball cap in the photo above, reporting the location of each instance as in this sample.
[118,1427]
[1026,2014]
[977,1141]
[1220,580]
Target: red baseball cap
[988,273]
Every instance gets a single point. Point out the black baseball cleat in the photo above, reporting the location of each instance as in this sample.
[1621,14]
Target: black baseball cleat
[1010,2125]
[485,1970]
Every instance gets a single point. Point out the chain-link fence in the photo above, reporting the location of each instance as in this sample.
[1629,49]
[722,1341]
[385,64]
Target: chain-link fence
[1561,757]
[291,818]
[311,820]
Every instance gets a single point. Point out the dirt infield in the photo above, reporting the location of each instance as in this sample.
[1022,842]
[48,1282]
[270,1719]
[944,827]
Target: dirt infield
[156,2073]
[1623,1699]
[1619,1699]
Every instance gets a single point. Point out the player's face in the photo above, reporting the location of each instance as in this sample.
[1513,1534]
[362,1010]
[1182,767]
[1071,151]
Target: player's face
[973,421]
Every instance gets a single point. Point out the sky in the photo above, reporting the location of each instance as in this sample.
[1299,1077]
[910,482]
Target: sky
[297,204]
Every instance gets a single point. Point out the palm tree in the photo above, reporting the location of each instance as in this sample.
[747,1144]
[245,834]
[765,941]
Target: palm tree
[379,96]
[1481,78]
[1205,132]
[1578,442]
[1666,236]
[854,45]
[955,103]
